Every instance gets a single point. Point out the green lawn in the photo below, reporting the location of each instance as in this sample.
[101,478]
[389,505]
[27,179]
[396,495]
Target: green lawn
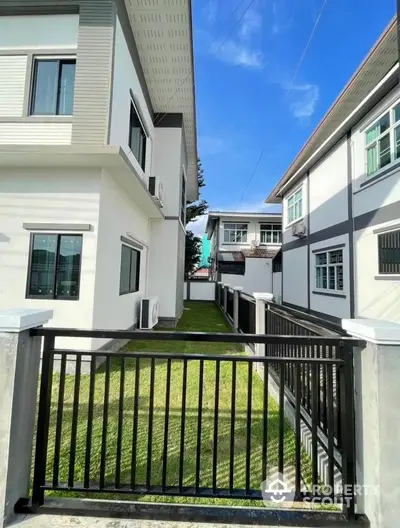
[197,316]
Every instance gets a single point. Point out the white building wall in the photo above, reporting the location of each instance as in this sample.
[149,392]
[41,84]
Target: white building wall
[48,196]
[118,216]
[38,31]
[253,232]
[295,276]
[337,306]
[126,79]
[257,277]
[329,189]
[277,286]
[163,265]
[23,34]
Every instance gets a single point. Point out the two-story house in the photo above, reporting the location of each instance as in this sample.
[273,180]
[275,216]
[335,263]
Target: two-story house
[242,248]
[341,200]
[98,157]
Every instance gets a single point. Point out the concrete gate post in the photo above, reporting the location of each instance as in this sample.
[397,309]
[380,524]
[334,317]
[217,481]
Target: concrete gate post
[236,295]
[19,373]
[377,419]
[261,300]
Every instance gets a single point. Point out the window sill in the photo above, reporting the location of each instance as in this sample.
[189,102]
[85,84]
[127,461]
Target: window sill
[382,174]
[235,244]
[49,298]
[388,277]
[37,119]
[298,220]
[128,293]
[329,293]
[270,243]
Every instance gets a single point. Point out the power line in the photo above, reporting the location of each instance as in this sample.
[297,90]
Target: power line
[314,29]
[289,88]
[160,118]
[250,179]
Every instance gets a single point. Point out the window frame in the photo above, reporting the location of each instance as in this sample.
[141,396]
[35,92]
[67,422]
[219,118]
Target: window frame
[137,277]
[391,132]
[49,58]
[236,230]
[326,266]
[145,135]
[183,199]
[53,297]
[381,237]
[293,206]
[276,228]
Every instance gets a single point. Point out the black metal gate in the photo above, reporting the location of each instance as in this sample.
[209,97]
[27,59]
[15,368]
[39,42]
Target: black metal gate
[194,425]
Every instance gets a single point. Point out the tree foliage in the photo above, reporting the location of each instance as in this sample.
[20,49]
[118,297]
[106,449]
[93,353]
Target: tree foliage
[193,211]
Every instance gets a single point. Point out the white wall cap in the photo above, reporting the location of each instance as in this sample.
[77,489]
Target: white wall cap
[373,330]
[237,288]
[261,296]
[226,285]
[220,283]
[20,319]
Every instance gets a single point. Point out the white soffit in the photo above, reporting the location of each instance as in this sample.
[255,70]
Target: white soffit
[163,35]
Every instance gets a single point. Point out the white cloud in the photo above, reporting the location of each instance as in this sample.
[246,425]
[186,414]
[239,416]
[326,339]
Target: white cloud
[303,100]
[210,11]
[198,226]
[238,54]
[251,23]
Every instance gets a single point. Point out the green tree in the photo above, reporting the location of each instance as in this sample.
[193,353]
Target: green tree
[193,211]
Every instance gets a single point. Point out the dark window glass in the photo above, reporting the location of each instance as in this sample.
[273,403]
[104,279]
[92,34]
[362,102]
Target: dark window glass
[53,87]
[130,270]
[55,265]
[183,200]
[389,253]
[137,138]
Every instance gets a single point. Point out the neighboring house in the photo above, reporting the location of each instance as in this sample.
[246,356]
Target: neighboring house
[93,125]
[341,200]
[242,248]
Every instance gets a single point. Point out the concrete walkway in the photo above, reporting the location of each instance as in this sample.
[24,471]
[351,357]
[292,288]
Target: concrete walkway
[61,521]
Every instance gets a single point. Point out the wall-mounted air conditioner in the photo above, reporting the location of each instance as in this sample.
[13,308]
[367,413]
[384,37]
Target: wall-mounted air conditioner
[299,230]
[149,308]
[156,189]
[255,244]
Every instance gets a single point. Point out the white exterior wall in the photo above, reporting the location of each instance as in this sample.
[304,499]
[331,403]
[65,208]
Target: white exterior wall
[48,196]
[257,277]
[201,291]
[374,298]
[335,306]
[328,190]
[29,33]
[294,278]
[277,286]
[118,216]
[126,79]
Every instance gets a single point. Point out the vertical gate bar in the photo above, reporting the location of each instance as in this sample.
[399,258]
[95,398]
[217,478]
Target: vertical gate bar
[150,431]
[105,423]
[215,447]
[347,428]
[199,417]
[42,435]
[298,430]
[74,426]
[314,420]
[265,424]
[248,428]
[330,424]
[325,370]
[166,426]
[338,402]
[120,424]
[232,439]
[281,418]
[60,407]
[89,422]
[135,423]
[183,426]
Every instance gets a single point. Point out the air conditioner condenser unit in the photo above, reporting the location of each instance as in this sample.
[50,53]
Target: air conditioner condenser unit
[149,308]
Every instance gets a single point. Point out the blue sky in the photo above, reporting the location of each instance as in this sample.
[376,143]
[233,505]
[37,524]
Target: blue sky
[247,101]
